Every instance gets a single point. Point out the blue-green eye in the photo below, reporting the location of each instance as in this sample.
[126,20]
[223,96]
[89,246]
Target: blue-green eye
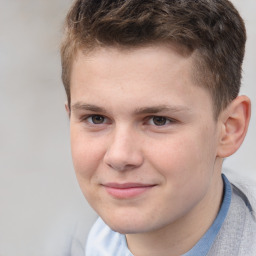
[96,119]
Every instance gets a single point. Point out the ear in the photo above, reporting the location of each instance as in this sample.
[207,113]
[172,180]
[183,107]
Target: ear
[234,121]
[67,109]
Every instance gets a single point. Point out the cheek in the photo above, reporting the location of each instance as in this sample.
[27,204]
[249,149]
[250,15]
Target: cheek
[86,155]
[184,160]
[186,169]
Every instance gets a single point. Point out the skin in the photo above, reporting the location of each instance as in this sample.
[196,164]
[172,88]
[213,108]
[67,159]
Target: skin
[116,95]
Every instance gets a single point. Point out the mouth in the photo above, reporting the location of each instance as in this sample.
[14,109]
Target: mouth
[127,190]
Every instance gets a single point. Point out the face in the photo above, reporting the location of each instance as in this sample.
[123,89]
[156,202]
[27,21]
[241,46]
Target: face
[143,137]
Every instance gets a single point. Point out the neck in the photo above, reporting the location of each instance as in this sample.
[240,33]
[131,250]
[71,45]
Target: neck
[180,236]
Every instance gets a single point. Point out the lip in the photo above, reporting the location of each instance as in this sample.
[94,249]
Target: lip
[127,190]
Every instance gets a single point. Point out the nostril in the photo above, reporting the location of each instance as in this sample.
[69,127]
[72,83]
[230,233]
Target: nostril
[123,167]
[123,161]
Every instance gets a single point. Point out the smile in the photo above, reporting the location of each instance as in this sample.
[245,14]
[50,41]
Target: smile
[127,190]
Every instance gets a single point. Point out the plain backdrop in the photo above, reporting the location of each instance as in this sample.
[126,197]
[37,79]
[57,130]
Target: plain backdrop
[38,187]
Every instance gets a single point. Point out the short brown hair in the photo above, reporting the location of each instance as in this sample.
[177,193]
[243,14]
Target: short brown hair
[212,29]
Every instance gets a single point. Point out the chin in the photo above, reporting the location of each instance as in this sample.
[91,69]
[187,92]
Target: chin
[127,229]
[127,225]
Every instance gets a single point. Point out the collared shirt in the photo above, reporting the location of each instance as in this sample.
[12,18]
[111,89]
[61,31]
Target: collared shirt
[205,243]
[103,241]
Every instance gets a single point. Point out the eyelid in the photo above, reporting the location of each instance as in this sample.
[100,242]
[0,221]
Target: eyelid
[168,120]
[146,121]
[86,117]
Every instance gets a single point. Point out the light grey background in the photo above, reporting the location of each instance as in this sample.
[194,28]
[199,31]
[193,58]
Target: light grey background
[38,189]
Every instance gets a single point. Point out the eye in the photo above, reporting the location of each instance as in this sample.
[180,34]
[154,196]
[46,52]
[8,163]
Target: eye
[159,120]
[96,119]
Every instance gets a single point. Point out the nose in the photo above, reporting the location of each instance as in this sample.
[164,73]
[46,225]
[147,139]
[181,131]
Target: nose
[124,151]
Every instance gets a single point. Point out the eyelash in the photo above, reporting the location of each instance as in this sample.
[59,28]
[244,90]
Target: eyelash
[86,119]
[166,120]
[149,120]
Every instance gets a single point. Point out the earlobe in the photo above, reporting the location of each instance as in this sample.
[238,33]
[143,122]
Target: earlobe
[67,109]
[234,124]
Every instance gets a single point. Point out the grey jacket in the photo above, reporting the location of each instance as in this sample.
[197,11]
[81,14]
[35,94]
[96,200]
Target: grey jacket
[237,236]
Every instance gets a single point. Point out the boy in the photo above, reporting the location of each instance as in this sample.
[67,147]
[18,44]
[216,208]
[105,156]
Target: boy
[152,89]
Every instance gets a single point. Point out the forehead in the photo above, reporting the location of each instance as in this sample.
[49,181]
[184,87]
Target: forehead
[154,59]
[148,75]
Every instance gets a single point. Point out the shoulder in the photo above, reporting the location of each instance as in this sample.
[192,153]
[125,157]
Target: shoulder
[238,232]
[102,241]
[245,188]
[67,234]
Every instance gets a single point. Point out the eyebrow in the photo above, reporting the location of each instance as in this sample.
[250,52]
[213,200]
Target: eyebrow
[90,107]
[138,111]
[161,108]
